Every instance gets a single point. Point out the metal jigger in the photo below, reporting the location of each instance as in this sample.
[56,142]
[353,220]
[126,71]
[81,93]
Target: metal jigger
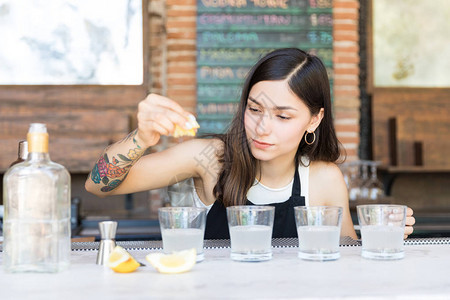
[107,242]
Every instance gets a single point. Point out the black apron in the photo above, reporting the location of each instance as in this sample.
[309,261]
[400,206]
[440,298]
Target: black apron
[284,223]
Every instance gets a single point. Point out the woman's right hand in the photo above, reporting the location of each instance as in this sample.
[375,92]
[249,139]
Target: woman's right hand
[157,115]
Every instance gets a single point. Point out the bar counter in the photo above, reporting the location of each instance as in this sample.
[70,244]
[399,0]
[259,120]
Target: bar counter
[422,274]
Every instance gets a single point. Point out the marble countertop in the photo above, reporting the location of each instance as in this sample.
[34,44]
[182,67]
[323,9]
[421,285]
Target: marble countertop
[422,274]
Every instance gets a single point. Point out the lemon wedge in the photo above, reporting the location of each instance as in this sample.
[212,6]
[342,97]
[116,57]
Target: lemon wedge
[121,261]
[188,132]
[177,262]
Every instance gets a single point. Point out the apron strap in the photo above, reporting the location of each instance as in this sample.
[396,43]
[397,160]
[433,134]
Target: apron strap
[296,187]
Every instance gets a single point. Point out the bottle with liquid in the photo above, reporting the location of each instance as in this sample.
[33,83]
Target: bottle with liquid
[21,157]
[36,224]
[22,153]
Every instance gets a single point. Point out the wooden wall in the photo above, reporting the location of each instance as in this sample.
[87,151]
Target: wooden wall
[422,115]
[81,120]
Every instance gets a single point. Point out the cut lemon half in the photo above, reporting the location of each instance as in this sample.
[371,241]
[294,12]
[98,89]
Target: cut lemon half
[192,123]
[177,262]
[121,261]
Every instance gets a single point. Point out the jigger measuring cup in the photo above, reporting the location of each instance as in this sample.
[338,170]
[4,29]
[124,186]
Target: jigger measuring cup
[107,242]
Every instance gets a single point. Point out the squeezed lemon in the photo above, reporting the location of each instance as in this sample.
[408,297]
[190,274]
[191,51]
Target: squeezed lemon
[178,132]
[177,262]
[121,261]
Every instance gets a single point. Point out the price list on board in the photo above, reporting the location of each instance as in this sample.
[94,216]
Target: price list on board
[233,34]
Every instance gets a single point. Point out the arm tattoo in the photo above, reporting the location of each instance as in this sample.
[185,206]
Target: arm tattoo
[129,136]
[111,172]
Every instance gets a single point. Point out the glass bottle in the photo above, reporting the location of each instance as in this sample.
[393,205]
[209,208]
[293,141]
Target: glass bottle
[22,153]
[36,223]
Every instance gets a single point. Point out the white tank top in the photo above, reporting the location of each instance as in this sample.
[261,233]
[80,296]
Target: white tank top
[260,194]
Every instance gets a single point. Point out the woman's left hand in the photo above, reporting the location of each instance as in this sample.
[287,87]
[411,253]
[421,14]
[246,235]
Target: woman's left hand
[410,221]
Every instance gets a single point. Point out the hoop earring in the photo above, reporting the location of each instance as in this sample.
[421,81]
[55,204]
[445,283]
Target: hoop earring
[314,138]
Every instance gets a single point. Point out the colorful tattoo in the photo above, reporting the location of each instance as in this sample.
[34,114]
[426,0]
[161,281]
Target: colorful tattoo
[105,170]
[112,185]
[131,135]
[95,175]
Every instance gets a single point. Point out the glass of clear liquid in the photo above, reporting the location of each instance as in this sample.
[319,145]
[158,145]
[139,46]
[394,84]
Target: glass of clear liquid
[318,229]
[251,232]
[382,230]
[182,228]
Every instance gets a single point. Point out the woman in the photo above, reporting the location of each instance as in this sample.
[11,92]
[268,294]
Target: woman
[280,149]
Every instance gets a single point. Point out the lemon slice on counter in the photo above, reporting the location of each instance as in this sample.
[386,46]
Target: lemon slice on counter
[121,261]
[177,262]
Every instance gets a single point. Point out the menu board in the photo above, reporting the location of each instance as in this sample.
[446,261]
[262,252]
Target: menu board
[233,34]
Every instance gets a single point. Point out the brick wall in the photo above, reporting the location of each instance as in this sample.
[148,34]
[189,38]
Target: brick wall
[157,46]
[173,50]
[173,61]
[346,71]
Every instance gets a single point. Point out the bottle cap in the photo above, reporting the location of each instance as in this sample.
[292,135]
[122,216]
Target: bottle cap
[37,138]
[23,149]
[37,128]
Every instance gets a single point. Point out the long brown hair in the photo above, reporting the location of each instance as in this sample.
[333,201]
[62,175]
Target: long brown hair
[307,78]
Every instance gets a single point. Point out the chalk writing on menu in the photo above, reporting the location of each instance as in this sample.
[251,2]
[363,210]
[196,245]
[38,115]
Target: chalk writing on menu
[233,34]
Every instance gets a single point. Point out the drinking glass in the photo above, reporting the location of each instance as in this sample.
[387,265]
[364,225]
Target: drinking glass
[318,229]
[251,232]
[181,193]
[375,189]
[364,167]
[345,169]
[182,228]
[355,181]
[382,229]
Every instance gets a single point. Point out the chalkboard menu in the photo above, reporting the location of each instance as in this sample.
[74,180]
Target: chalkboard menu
[233,34]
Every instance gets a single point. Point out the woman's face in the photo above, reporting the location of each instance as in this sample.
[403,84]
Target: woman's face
[275,120]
